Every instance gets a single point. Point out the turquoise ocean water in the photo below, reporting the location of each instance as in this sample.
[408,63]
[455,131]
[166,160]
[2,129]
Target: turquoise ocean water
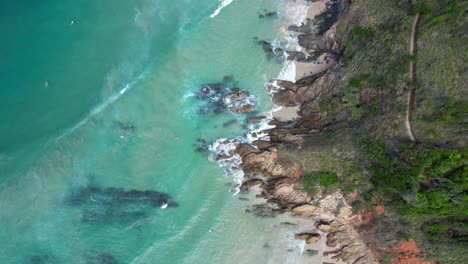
[97,101]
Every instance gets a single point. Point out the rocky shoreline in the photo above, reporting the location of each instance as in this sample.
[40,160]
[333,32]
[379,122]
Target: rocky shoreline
[276,178]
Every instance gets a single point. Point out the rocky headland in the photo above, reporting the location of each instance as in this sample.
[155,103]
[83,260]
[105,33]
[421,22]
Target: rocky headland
[278,178]
[334,116]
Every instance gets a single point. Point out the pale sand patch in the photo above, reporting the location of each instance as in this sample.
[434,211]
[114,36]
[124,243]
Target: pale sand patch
[304,69]
[315,9]
[285,114]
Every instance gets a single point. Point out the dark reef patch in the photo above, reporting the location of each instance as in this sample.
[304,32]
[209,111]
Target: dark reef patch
[116,205]
[42,259]
[103,259]
[201,146]
[267,14]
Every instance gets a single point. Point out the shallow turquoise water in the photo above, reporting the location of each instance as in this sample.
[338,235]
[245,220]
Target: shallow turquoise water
[117,112]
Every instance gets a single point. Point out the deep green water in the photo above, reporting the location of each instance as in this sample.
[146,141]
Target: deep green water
[117,112]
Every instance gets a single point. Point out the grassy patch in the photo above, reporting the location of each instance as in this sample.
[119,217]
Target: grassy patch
[328,180]
[450,15]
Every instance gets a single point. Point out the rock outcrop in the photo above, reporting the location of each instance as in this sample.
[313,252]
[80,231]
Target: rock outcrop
[287,191]
[349,247]
[220,96]
[267,163]
[300,29]
[292,94]
[328,42]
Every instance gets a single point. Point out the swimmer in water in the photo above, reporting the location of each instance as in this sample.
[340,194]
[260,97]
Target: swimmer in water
[72,22]
[46,84]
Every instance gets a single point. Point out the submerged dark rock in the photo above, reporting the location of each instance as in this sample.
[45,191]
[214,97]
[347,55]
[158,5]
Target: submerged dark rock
[271,50]
[268,209]
[42,259]
[103,259]
[312,252]
[116,204]
[267,14]
[201,145]
[230,123]
[126,126]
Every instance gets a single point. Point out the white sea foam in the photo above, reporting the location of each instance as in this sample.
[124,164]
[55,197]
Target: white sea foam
[258,131]
[230,161]
[295,12]
[288,71]
[222,4]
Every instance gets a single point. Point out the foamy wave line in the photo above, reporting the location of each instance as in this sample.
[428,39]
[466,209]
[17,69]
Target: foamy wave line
[221,5]
[98,109]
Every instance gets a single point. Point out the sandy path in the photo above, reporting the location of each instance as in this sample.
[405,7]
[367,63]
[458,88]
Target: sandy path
[412,93]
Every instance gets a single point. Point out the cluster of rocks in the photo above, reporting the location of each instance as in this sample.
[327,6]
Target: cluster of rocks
[279,177]
[221,96]
[317,37]
[343,242]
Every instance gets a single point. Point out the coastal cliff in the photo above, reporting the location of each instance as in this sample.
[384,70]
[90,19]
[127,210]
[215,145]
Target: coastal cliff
[346,161]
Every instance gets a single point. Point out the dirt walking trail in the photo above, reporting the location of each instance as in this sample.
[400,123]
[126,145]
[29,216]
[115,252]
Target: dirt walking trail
[412,73]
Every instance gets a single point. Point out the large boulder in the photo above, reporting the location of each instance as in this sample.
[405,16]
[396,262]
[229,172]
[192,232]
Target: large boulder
[244,149]
[287,191]
[309,210]
[239,102]
[328,42]
[256,119]
[250,183]
[262,144]
[292,94]
[309,238]
[268,163]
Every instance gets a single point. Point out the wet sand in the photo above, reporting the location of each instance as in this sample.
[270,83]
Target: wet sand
[286,113]
[304,69]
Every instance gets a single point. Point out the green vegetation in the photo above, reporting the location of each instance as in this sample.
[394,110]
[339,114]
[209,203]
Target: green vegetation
[419,180]
[422,185]
[450,15]
[361,35]
[329,181]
